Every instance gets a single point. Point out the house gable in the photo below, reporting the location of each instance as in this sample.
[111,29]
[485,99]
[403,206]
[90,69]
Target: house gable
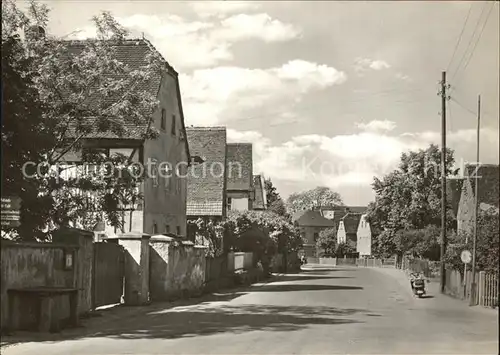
[239,166]
[207,175]
[259,203]
[364,240]
[487,176]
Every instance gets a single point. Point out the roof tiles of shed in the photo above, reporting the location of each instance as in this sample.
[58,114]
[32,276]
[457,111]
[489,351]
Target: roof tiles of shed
[205,190]
[239,166]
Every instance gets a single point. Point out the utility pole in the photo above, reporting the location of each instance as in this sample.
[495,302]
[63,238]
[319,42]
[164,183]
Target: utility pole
[443,182]
[476,208]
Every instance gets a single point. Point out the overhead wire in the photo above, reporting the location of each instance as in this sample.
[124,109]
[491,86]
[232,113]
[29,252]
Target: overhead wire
[475,45]
[315,106]
[459,38]
[457,69]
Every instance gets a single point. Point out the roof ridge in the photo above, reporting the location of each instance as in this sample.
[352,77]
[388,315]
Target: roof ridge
[203,128]
[117,41]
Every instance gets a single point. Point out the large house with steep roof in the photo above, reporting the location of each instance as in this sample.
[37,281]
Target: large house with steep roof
[163,207]
[487,177]
[310,224]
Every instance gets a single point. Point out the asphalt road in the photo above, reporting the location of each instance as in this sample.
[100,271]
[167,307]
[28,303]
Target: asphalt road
[342,310]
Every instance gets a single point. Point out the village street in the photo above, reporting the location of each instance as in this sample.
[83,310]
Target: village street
[319,311]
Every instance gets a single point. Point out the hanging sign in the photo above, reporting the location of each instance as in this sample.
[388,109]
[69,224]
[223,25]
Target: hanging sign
[11,211]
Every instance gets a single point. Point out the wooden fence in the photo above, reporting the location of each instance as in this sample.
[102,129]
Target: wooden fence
[460,286]
[487,290]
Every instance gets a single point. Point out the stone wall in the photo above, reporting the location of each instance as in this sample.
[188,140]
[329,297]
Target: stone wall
[33,265]
[84,263]
[137,267]
[177,269]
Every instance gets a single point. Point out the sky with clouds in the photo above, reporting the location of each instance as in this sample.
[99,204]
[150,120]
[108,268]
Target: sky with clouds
[329,93]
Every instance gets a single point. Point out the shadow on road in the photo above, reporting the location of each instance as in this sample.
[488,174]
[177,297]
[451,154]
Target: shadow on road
[161,322]
[302,287]
[302,277]
[326,270]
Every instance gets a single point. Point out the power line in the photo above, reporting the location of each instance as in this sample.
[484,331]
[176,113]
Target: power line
[459,37]
[316,106]
[463,106]
[475,45]
[470,42]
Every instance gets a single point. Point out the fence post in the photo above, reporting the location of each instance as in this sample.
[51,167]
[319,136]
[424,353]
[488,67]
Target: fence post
[481,286]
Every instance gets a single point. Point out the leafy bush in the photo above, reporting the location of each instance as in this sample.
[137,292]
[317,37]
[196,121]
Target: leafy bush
[345,249]
[327,241]
[260,232]
[487,245]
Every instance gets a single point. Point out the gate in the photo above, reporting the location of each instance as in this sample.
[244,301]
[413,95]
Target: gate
[109,273]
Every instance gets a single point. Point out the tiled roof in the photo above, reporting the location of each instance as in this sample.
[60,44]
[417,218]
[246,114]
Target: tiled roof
[207,208]
[258,203]
[205,190]
[133,53]
[313,219]
[351,222]
[488,176]
[239,166]
[357,209]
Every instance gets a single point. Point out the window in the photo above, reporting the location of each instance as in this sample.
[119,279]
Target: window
[229,203]
[166,172]
[167,228]
[316,236]
[155,228]
[173,131]
[163,119]
[154,172]
[178,230]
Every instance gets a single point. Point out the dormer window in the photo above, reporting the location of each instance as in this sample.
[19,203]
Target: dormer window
[196,159]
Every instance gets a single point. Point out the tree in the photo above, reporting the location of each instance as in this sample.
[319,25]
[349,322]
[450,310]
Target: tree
[327,241]
[274,201]
[319,196]
[209,234]
[487,244]
[278,207]
[271,193]
[409,198]
[26,133]
[421,243]
[85,92]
